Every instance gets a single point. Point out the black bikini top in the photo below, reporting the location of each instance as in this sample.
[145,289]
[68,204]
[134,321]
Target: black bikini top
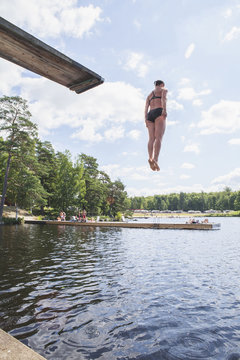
[154,97]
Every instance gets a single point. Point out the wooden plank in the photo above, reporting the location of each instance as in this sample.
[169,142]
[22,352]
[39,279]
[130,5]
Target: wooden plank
[12,349]
[29,52]
[135,225]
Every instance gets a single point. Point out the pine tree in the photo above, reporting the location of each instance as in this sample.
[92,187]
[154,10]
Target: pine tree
[18,131]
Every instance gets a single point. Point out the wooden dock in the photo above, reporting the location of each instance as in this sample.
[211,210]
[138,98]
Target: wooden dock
[133,225]
[13,349]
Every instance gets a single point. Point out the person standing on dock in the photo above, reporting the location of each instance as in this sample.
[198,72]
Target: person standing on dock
[84,215]
[62,216]
[155,120]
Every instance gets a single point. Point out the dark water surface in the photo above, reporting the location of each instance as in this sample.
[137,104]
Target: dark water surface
[93,293]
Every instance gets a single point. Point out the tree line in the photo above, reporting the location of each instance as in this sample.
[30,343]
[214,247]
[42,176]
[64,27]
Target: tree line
[223,200]
[34,176]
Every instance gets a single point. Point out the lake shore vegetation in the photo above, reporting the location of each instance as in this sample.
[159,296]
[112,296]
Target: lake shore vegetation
[35,177]
[221,202]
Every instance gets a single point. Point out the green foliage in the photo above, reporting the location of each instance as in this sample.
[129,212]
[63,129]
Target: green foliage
[117,197]
[32,175]
[64,182]
[236,201]
[80,183]
[118,216]
[223,200]
[19,143]
[13,221]
[46,160]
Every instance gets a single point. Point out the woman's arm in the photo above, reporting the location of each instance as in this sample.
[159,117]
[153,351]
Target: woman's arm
[164,102]
[146,109]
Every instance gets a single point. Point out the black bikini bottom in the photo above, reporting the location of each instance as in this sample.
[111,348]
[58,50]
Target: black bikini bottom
[153,114]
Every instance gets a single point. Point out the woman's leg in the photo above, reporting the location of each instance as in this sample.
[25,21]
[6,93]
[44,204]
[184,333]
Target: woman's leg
[151,133]
[160,125]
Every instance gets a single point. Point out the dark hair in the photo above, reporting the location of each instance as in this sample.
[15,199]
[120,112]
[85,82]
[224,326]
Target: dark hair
[159,82]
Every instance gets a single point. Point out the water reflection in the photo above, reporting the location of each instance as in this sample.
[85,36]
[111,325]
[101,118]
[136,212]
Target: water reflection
[100,293]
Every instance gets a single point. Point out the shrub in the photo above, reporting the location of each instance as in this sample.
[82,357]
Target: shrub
[118,216]
[13,221]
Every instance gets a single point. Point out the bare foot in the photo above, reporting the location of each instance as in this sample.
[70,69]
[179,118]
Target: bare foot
[152,164]
[156,165]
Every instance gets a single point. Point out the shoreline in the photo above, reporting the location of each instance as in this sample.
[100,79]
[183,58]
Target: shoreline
[10,212]
[185,215]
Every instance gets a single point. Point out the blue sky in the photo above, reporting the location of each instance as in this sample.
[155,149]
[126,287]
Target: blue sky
[192,45]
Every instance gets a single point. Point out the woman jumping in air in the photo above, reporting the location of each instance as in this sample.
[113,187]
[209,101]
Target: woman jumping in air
[156,121]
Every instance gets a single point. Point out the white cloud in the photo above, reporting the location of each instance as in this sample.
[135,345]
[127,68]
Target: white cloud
[139,177]
[111,169]
[235,141]
[227,13]
[189,50]
[174,105]
[197,102]
[135,173]
[145,191]
[230,179]
[137,24]
[7,82]
[87,133]
[192,148]
[162,188]
[115,170]
[184,81]
[136,62]
[188,93]
[133,153]
[172,123]
[158,182]
[187,166]
[51,18]
[134,134]
[78,21]
[91,114]
[116,132]
[234,33]
[223,117]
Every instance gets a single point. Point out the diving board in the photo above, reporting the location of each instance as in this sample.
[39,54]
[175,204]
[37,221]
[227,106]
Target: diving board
[21,48]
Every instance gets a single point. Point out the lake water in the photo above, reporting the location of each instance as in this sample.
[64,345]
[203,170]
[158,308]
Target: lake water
[99,293]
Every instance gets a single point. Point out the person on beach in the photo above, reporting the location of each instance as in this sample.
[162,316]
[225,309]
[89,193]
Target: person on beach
[155,120]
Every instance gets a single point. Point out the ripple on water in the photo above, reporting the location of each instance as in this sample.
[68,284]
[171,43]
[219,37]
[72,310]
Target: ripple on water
[196,345]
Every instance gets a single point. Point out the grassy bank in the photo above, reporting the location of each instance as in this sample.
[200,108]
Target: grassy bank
[10,212]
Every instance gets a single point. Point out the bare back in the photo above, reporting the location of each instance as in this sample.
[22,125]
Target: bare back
[157,99]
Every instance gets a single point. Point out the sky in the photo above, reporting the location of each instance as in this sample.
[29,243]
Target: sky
[193,45]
